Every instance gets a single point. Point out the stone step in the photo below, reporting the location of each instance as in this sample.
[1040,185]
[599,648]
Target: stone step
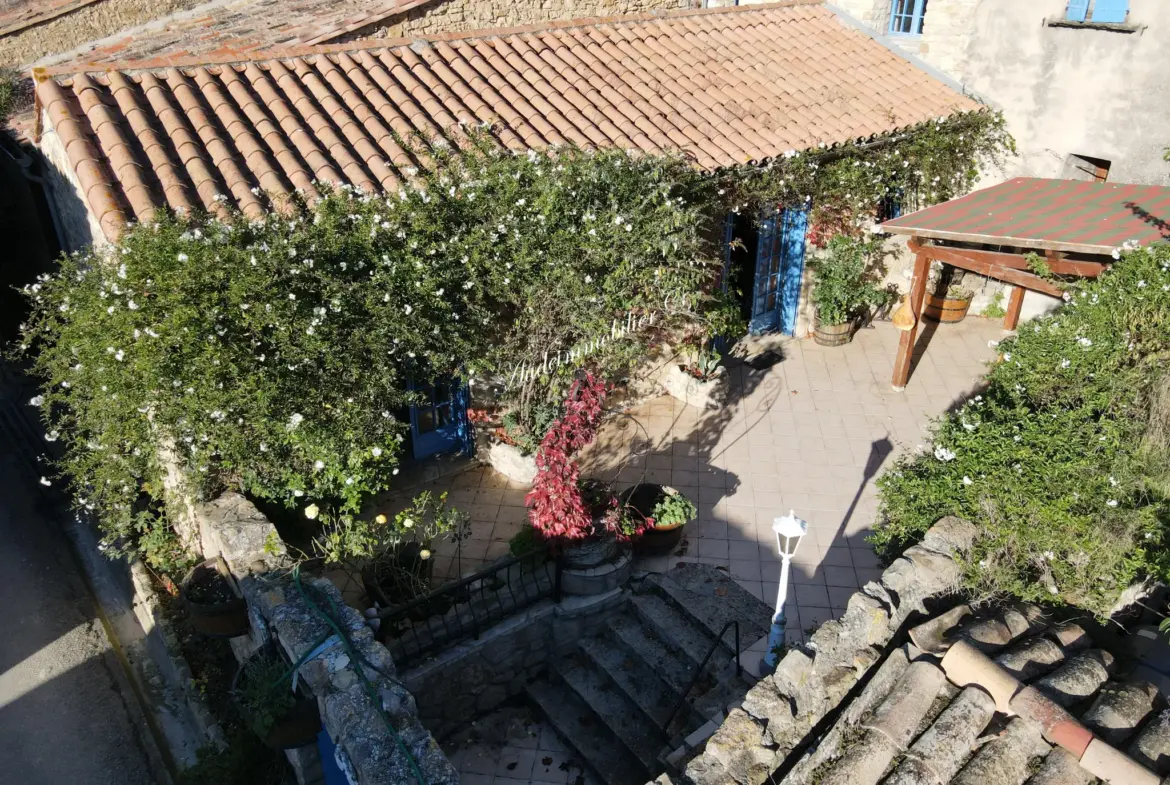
[633,676]
[674,669]
[636,732]
[712,598]
[678,630]
[581,729]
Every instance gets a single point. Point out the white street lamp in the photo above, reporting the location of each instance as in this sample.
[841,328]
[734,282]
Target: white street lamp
[789,529]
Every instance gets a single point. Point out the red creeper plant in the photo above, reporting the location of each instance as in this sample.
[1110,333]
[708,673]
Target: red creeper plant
[556,507]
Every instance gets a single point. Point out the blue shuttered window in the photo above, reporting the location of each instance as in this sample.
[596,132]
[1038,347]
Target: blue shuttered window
[1111,11]
[1077,10]
[906,17]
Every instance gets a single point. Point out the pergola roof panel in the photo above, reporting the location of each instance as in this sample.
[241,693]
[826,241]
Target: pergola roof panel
[1057,215]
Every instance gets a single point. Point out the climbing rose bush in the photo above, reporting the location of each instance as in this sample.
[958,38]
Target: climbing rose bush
[1062,459]
[275,355]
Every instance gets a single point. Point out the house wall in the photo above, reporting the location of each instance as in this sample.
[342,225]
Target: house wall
[78,226]
[459,15]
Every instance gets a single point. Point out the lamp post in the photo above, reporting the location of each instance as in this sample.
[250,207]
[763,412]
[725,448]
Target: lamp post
[789,529]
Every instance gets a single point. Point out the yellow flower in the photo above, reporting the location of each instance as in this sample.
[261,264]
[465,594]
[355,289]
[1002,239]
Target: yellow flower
[424,554]
[380,520]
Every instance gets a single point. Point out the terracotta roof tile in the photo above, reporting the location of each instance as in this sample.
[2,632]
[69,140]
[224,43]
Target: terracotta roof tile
[725,86]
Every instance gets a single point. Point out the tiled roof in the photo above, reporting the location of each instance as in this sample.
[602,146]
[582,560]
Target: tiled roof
[1064,215]
[1012,697]
[235,26]
[726,86]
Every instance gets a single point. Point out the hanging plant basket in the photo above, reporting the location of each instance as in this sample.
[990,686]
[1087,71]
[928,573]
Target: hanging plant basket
[211,601]
[947,310]
[284,722]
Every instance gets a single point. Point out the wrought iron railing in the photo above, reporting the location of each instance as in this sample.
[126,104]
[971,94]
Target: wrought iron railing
[682,699]
[465,608]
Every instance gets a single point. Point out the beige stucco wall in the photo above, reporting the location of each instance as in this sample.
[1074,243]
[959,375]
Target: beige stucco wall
[78,225]
[459,15]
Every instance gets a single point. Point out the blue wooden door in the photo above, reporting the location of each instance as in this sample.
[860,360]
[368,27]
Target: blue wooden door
[779,270]
[1077,10]
[439,423]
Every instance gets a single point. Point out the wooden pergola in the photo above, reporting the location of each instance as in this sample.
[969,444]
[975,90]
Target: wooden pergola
[1075,225]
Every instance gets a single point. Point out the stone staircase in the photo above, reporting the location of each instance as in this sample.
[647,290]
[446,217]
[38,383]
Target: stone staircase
[611,699]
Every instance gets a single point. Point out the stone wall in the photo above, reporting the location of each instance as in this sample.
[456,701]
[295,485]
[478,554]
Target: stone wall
[77,225]
[459,15]
[478,675]
[809,683]
[366,750]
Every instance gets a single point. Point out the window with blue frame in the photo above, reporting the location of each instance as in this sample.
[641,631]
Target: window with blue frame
[1102,11]
[906,17]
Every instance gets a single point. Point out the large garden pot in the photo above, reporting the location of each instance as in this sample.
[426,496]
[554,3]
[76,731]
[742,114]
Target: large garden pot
[833,334]
[508,460]
[298,727]
[400,577]
[703,394]
[658,541]
[212,604]
[947,310]
[591,552]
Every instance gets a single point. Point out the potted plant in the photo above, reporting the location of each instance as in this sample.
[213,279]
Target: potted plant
[517,439]
[262,689]
[211,601]
[845,288]
[392,556]
[700,380]
[664,511]
[582,516]
[948,297]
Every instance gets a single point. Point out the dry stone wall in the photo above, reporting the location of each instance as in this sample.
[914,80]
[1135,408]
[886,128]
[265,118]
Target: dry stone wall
[460,15]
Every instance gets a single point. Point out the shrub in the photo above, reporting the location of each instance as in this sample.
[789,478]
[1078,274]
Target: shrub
[845,282]
[1051,460]
[275,354]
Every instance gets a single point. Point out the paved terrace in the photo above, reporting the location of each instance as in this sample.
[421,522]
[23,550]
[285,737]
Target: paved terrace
[809,434]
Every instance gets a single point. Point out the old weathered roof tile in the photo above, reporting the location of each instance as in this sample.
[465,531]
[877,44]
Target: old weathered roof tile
[724,86]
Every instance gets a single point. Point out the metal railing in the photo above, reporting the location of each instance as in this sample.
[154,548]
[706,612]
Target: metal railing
[682,698]
[465,608]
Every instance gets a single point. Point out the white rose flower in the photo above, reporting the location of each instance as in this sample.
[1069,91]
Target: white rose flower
[377,452]
[312,511]
[319,465]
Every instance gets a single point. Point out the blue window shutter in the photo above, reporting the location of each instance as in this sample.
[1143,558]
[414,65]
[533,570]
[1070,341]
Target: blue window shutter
[1077,10]
[792,273]
[766,282]
[1111,11]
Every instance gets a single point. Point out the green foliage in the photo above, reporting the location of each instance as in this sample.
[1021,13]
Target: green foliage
[1039,265]
[1053,461]
[159,546]
[704,361]
[273,354]
[847,185]
[357,541]
[244,761]
[673,509]
[995,309]
[523,541]
[846,281]
[265,691]
[527,432]
[7,92]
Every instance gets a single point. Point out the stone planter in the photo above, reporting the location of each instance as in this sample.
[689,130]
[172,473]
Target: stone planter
[702,394]
[510,462]
[833,334]
[594,566]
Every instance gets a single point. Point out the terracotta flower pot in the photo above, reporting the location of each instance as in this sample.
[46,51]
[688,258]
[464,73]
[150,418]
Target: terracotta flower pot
[947,310]
[661,540]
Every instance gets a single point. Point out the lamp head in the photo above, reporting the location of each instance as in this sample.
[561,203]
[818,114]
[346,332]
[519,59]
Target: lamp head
[789,526]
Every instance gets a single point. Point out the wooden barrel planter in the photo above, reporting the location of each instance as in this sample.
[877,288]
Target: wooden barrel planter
[833,334]
[947,310]
[211,603]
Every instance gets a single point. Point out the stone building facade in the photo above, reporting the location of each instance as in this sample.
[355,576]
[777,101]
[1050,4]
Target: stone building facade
[1079,98]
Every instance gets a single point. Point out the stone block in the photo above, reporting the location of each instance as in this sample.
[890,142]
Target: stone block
[510,462]
[702,395]
[738,747]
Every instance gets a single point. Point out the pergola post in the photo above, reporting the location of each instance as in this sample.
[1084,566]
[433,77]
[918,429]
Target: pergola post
[917,293]
[1015,303]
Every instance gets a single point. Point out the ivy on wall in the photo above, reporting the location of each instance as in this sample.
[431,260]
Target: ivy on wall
[275,355]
